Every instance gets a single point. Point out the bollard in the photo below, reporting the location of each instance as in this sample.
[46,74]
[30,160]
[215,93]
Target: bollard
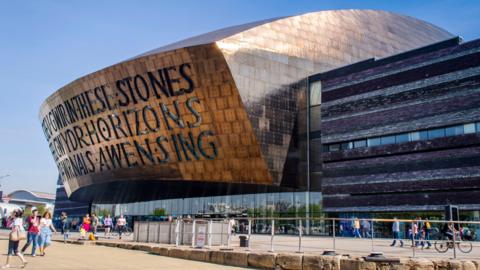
[299,236]
[210,225]
[333,230]
[249,233]
[273,234]
[177,233]
[193,233]
[372,236]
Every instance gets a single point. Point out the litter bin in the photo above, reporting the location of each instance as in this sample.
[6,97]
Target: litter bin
[243,241]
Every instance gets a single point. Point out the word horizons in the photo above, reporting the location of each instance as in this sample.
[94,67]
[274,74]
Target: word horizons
[99,128]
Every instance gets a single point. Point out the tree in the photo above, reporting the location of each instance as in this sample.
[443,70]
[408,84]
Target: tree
[159,212]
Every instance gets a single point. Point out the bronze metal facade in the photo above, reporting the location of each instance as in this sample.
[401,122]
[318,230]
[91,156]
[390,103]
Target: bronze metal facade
[220,113]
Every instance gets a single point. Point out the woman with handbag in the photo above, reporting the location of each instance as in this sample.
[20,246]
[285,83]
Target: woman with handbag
[46,229]
[16,234]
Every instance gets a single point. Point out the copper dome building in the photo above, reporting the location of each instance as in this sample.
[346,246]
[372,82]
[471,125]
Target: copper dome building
[218,114]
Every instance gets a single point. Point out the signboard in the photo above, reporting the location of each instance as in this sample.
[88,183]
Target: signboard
[201,235]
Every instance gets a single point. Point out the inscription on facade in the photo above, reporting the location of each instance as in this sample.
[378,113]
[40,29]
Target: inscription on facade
[142,120]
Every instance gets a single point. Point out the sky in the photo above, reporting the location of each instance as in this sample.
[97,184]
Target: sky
[47,44]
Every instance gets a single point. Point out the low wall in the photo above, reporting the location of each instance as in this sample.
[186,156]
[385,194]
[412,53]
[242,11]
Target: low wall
[287,261]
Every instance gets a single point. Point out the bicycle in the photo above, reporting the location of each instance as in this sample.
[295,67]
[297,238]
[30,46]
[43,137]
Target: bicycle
[443,246]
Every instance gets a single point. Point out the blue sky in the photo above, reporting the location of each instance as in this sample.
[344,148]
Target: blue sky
[46,44]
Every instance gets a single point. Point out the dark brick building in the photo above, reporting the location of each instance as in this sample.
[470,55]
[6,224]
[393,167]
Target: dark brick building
[400,133]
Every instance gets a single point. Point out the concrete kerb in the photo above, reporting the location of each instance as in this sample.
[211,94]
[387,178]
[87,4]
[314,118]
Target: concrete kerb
[284,261]
[262,260]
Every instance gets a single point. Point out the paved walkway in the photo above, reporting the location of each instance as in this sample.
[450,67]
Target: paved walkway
[80,257]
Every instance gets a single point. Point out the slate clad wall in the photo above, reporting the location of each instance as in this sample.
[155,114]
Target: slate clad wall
[435,86]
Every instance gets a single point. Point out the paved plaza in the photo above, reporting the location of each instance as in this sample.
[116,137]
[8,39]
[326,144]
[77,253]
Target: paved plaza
[67,256]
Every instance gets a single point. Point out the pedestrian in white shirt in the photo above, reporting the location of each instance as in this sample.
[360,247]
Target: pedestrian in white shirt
[46,229]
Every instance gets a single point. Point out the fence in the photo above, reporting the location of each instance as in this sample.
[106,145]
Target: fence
[317,234]
[182,232]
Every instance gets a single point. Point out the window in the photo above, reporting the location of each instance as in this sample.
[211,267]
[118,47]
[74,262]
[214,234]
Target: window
[414,136]
[469,128]
[325,148]
[423,135]
[407,137]
[436,133]
[347,145]
[453,131]
[360,144]
[315,93]
[387,140]
[373,142]
[334,147]
[401,138]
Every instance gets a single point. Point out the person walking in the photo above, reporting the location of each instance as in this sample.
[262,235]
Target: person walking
[86,223]
[46,229]
[365,226]
[94,220]
[33,222]
[414,234]
[396,232]
[16,233]
[107,225]
[64,220]
[121,223]
[427,227]
[418,232]
[356,228]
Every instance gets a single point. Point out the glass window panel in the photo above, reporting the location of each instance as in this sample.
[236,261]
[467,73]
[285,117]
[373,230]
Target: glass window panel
[285,202]
[360,143]
[436,133]
[414,136]
[260,204]
[315,118]
[453,131]
[315,93]
[271,202]
[387,140]
[423,135]
[249,203]
[236,206]
[325,148]
[401,138]
[478,127]
[316,204]
[334,147]
[469,128]
[346,145]
[373,141]
[300,203]
[207,204]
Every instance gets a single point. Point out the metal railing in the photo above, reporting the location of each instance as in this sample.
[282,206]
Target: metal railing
[275,233]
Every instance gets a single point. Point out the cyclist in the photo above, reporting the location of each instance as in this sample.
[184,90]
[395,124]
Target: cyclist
[449,230]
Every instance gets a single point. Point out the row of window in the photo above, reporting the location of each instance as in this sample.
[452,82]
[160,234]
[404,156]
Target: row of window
[427,134]
[260,204]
